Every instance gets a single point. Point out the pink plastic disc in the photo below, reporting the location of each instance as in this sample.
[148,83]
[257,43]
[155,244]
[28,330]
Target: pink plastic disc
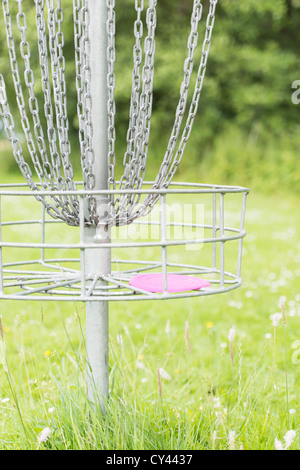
[175,282]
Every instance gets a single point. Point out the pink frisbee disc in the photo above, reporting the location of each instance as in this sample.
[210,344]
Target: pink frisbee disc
[175,282]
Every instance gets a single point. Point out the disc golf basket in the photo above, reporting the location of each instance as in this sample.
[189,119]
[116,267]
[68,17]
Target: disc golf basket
[71,241]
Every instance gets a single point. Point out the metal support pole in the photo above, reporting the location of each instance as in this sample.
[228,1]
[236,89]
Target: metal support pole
[98,261]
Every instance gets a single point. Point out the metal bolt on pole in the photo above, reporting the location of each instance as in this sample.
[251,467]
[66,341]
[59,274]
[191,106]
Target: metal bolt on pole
[98,262]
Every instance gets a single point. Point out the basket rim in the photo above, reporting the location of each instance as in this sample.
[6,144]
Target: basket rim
[10,189]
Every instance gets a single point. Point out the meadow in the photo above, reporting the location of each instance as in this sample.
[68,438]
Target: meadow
[217,372]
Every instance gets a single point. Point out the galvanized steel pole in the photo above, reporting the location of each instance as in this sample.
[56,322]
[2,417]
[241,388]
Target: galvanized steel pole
[98,262]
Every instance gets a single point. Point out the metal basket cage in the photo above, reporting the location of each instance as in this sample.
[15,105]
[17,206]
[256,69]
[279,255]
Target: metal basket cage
[42,258]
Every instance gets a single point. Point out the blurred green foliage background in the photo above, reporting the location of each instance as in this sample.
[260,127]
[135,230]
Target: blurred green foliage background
[247,128]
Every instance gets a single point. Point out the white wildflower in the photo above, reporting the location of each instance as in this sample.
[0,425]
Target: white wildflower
[44,435]
[276,317]
[292,411]
[281,299]
[164,374]
[235,304]
[231,334]
[231,440]
[278,444]
[120,340]
[217,403]
[167,329]
[140,365]
[289,437]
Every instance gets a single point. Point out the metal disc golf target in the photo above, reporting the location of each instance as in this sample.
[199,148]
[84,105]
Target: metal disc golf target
[74,230]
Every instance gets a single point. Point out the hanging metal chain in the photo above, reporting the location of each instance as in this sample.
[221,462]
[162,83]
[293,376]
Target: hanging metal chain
[46,87]
[134,100]
[140,112]
[56,44]
[197,92]
[77,16]
[33,103]
[111,105]
[19,95]
[130,160]
[167,172]
[38,165]
[69,205]
[141,141]
[9,127]
[84,102]
[43,167]
[61,184]
[184,90]
[135,91]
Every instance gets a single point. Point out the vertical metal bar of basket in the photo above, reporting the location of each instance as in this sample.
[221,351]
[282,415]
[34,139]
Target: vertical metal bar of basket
[222,243]
[1,260]
[43,234]
[82,250]
[163,239]
[242,221]
[214,230]
[98,261]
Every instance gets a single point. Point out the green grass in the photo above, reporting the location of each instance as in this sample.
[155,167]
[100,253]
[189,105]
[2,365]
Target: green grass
[204,395]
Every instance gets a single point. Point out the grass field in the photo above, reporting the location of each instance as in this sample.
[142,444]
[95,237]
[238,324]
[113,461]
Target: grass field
[176,381]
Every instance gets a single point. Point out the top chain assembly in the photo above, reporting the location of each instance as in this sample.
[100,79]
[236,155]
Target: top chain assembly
[50,151]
